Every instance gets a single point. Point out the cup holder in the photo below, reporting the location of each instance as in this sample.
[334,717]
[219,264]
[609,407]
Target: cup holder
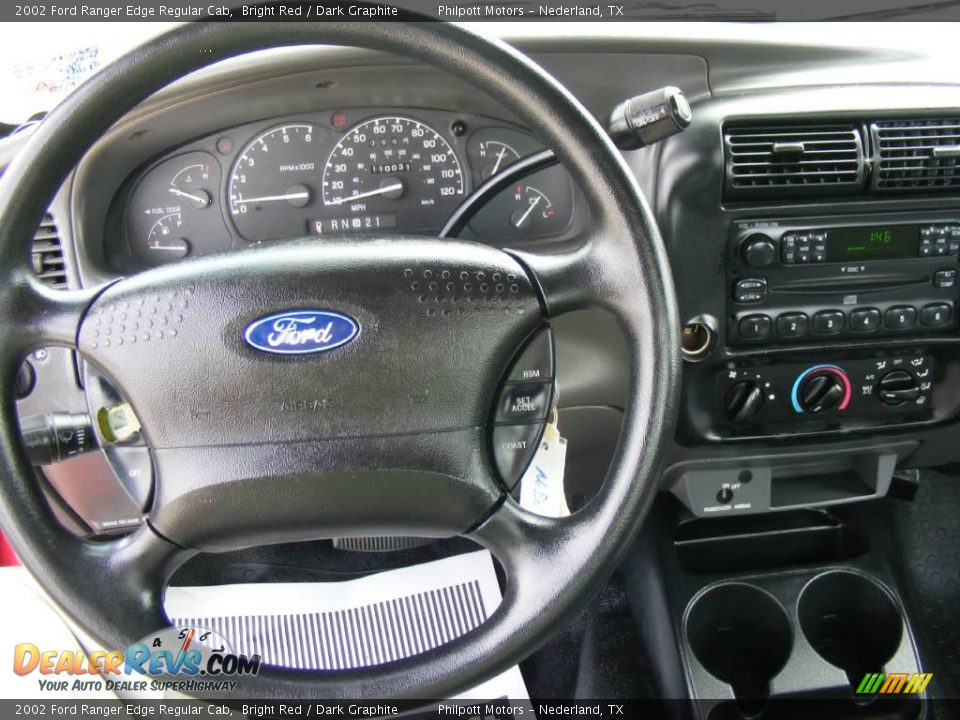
[741,635]
[851,621]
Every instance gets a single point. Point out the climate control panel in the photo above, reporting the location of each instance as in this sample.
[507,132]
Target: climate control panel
[823,395]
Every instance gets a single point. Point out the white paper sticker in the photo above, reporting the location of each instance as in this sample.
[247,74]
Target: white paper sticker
[541,488]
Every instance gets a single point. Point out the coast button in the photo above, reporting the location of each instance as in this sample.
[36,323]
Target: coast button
[513,448]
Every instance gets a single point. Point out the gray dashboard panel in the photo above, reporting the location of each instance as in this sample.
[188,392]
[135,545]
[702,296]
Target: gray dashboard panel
[758,73]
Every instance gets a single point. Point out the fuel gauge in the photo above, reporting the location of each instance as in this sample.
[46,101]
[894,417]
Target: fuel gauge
[164,238]
[533,207]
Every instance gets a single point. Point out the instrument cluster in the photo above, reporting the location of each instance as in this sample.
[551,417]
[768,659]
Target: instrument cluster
[337,173]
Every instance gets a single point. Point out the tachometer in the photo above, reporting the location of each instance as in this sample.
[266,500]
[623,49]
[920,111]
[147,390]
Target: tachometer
[389,172]
[273,184]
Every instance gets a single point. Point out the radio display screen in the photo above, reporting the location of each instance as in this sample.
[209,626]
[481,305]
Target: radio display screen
[881,242]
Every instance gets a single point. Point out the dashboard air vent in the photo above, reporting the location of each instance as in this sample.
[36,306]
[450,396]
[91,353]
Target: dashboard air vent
[916,155]
[786,161]
[48,263]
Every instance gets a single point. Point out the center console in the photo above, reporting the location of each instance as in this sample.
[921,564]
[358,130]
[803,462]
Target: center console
[833,328]
[827,281]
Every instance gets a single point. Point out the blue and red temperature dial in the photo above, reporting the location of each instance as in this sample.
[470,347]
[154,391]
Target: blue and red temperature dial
[820,388]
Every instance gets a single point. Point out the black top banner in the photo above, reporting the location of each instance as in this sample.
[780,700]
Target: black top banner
[481,11]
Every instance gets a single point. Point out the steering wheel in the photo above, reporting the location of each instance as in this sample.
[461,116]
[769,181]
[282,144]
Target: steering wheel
[400,448]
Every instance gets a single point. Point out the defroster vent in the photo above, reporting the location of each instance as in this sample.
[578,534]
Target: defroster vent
[786,161]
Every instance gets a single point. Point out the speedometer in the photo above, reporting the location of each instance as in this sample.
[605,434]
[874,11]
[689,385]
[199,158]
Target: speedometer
[390,172]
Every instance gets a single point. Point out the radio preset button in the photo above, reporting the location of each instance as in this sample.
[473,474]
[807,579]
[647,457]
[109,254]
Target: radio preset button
[792,325]
[754,327]
[901,317]
[828,322]
[945,278]
[865,320]
[936,315]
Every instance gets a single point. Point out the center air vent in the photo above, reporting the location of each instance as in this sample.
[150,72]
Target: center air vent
[767,161]
[47,255]
[916,155]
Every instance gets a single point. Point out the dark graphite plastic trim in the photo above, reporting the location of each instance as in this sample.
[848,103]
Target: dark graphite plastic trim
[114,590]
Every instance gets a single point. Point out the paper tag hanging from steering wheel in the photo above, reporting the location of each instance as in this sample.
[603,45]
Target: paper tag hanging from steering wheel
[541,488]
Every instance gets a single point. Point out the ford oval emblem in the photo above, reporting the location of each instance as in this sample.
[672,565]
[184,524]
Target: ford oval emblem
[301,332]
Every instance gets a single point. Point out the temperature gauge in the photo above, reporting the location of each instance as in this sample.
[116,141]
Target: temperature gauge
[171,213]
[190,184]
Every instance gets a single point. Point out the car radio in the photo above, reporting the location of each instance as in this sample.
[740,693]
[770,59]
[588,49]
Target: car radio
[823,279]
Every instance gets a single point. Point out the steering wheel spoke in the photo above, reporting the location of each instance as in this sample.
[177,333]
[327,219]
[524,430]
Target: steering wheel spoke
[45,316]
[588,271]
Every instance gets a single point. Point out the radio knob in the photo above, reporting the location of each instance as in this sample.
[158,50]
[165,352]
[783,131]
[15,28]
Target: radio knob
[744,400]
[821,391]
[758,251]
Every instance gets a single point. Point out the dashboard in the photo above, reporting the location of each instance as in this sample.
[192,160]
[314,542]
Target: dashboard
[801,292]
[331,173]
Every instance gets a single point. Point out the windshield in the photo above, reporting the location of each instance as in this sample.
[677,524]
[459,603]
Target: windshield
[43,62]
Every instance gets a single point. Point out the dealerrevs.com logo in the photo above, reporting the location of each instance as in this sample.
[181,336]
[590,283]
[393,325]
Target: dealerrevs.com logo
[186,659]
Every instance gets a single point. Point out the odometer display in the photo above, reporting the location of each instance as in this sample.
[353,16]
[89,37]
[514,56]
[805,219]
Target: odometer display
[393,166]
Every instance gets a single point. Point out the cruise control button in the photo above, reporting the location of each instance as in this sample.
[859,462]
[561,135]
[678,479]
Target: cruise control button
[828,322]
[936,315]
[865,320]
[536,361]
[792,325]
[901,317]
[520,403]
[513,448]
[754,327]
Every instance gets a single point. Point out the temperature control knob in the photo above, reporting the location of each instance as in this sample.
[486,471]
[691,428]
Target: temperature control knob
[743,400]
[821,388]
[758,251]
